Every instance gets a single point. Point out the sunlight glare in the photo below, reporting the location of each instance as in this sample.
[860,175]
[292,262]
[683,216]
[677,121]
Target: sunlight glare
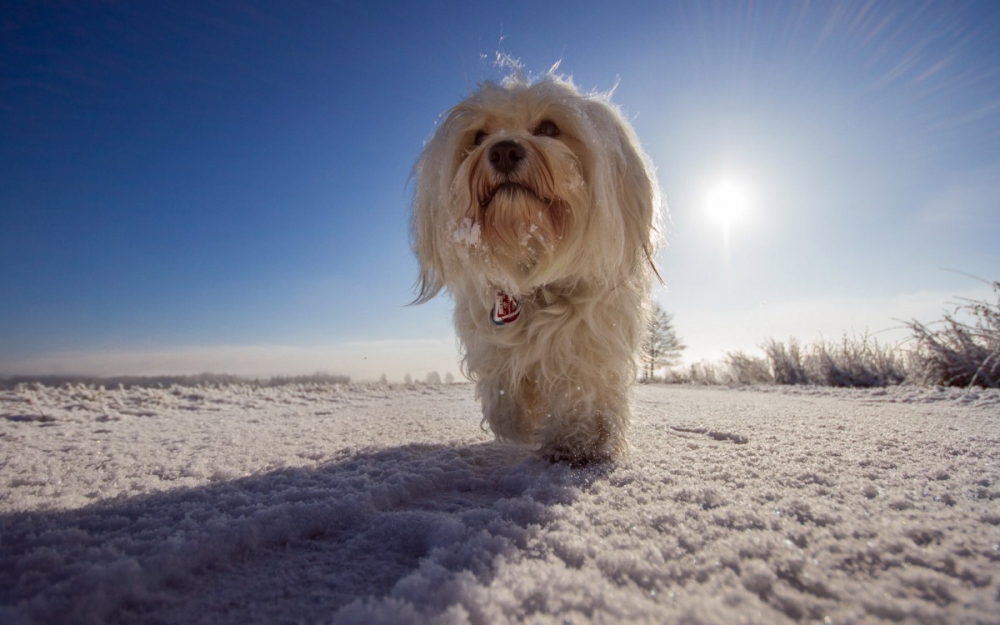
[727,202]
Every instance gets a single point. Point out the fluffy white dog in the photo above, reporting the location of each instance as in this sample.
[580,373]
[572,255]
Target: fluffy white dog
[535,207]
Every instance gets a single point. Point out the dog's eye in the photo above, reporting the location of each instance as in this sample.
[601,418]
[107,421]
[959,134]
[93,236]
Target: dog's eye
[547,128]
[479,137]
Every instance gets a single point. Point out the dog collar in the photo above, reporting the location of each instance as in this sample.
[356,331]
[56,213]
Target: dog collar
[505,310]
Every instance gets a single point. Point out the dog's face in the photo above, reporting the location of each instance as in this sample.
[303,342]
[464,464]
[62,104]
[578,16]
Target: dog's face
[527,184]
[518,179]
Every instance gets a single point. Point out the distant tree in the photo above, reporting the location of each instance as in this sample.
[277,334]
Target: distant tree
[433,378]
[383,379]
[663,348]
[407,380]
[449,378]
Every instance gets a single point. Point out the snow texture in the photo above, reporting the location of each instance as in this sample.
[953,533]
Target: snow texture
[371,504]
[467,233]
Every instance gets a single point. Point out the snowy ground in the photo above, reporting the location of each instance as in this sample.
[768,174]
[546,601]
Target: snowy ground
[368,504]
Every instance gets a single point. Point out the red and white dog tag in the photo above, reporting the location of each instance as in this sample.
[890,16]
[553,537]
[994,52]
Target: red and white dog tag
[506,309]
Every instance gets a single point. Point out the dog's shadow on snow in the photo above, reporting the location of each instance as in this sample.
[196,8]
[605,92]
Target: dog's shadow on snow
[396,525]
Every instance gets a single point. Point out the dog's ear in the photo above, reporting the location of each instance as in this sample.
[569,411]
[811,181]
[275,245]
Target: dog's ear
[433,174]
[626,188]
[638,195]
[423,239]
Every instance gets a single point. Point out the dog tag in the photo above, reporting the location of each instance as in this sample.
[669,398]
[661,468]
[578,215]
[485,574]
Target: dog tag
[505,310]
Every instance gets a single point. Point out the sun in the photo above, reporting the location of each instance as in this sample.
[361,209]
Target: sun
[728,202]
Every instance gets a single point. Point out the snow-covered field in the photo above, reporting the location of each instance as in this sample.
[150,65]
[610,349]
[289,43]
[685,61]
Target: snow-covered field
[371,504]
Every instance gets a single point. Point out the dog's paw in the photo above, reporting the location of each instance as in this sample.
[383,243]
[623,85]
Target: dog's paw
[582,440]
[579,455]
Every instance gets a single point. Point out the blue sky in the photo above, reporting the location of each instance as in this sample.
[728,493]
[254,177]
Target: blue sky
[218,186]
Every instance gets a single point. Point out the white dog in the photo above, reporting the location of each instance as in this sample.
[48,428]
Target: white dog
[536,208]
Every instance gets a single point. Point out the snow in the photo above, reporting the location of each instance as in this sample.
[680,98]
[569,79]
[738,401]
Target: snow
[466,233]
[376,504]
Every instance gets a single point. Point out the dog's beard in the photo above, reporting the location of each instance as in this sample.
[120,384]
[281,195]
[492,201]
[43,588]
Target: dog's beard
[522,216]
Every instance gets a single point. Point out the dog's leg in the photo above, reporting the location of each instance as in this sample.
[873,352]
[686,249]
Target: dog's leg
[506,408]
[590,374]
[586,422]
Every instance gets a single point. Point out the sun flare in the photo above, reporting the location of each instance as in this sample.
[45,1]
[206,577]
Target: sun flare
[728,202]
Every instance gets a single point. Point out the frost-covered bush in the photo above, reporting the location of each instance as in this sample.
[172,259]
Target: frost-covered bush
[962,349]
[747,369]
[700,373]
[315,379]
[786,363]
[960,353]
[855,362]
[851,362]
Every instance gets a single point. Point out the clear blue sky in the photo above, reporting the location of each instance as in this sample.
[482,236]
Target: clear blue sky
[191,186]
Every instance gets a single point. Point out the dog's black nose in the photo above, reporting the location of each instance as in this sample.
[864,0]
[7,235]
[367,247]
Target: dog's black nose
[505,155]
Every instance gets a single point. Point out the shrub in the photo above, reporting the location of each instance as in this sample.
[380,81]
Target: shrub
[963,349]
[746,369]
[855,362]
[958,353]
[851,362]
[786,364]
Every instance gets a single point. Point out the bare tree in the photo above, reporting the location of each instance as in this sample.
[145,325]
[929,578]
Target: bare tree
[663,348]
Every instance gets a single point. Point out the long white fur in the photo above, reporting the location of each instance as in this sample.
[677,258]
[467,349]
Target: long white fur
[574,245]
